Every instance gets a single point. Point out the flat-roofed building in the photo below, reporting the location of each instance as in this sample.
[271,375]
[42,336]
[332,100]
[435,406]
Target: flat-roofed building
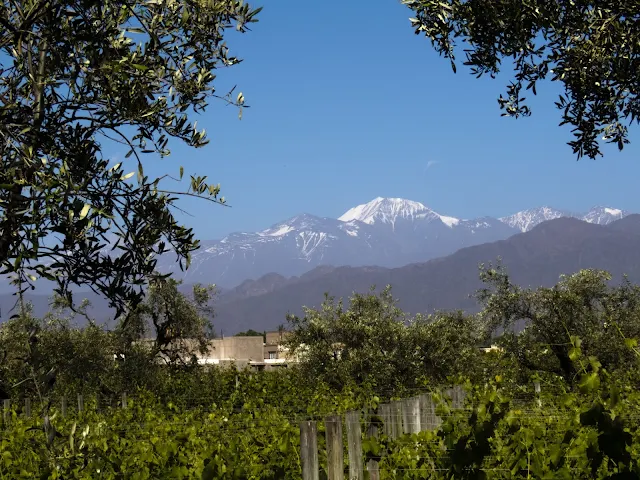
[241,351]
[252,351]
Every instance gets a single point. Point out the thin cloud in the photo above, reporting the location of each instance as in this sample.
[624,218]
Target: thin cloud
[430,164]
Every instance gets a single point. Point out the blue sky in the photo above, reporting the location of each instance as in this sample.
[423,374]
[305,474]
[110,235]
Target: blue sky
[347,104]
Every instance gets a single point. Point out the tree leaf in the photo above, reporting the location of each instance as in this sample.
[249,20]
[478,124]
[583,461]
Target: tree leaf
[84,211]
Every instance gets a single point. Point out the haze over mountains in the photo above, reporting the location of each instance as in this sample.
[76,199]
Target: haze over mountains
[534,258]
[386,232]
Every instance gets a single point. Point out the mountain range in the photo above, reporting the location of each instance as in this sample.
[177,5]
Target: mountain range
[535,257]
[387,232]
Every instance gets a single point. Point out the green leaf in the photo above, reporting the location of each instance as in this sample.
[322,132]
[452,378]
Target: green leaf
[589,382]
[574,354]
[84,211]
[127,92]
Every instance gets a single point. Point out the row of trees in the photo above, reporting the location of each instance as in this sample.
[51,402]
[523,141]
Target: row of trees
[39,357]
[370,343]
[539,332]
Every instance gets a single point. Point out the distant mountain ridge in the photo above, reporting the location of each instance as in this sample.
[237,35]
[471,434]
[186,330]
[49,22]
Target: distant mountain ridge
[533,258]
[528,219]
[388,232]
[536,257]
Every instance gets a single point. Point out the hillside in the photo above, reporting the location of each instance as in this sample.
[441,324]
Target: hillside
[537,257]
[388,232]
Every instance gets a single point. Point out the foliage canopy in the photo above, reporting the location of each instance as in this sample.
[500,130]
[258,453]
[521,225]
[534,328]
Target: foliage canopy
[537,327]
[373,342]
[591,47]
[76,77]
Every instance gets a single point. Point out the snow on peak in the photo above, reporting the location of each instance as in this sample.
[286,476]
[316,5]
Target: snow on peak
[604,215]
[299,222]
[527,219]
[449,221]
[383,209]
[278,231]
[389,210]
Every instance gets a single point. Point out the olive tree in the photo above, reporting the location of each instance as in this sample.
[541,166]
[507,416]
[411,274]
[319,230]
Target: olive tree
[169,329]
[175,327]
[590,47]
[78,78]
[446,345]
[339,344]
[373,342]
[545,329]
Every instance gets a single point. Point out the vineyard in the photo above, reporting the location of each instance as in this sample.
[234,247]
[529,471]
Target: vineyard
[593,434]
[404,399]
[535,382]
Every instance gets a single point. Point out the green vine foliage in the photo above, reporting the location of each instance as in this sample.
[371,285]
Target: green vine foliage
[252,433]
[186,421]
[592,433]
[589,433]
[145,442]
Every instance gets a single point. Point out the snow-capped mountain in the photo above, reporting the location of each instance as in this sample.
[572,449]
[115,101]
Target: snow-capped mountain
[289,248]
[392,210]
[385,232]
[419,233]
[604,215]
[527,219]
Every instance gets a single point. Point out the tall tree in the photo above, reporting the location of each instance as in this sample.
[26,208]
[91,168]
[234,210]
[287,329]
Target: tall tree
[75,77]
[591,47]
